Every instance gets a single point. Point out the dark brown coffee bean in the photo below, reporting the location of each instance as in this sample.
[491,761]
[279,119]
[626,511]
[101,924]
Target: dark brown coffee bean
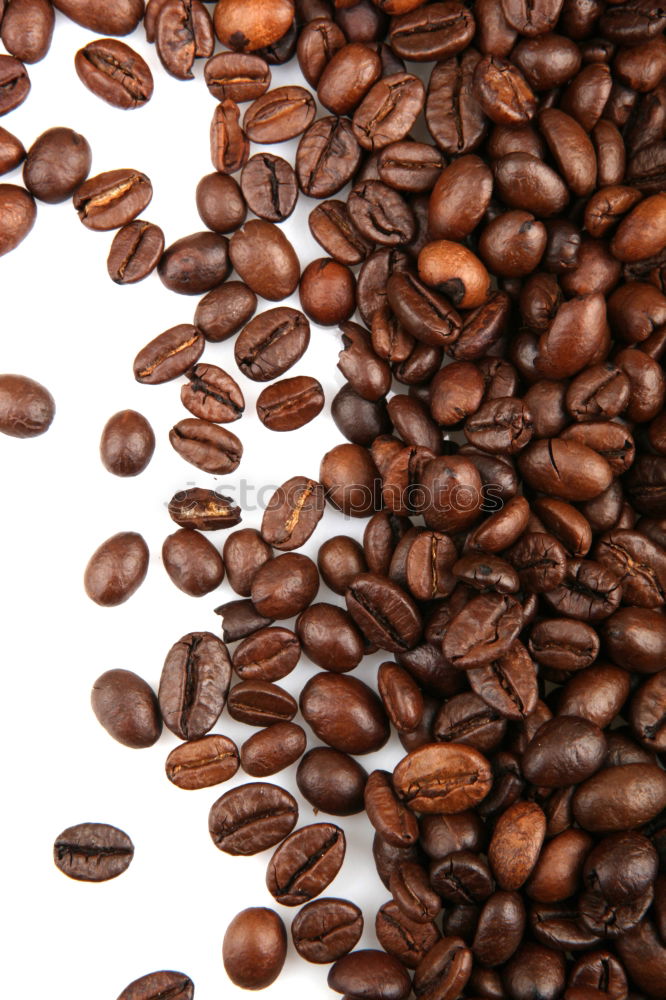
[332,781]
[640,564]
[502,92]
[327,157]
[27,29]
[254,948]
[525,182]
[401,697]
[482,631]
[212,394]
[195,264]
[410,166]
[453,115]
[328,292]
[565,469]
[285,586]
[259,703]
[183,32]
[249,248]
[635,637]
[620,798]
[268,655]
[516,843]
[236,77]
[432,33]
[127,708]
[564,751]
[220,203]
[371,288]
[225,310]
[14,83]
[318,42]
[117,569]
[305,863]
[469,720]
[445,969]
[347,77]
[412,892]
[269,186]
[26,407]
[540,561]
[206,446]
[331,226]
[369,973]
[360,420]
[280,114]
[229,146]
[251,818]
[240,619]
[169,355]
[351,480]
[155,984]
[589,591]
[248,28]
[442,777]
[388,111]
[57,163]
[114,72]
[272,749]
[93,852]
[508,685]
[120,19]
[390,818]
[513,244]
[112,199]
[194,684]
[17,216]
[135,252]
[192,562]
[291,403]
[564,644]
[326,929]
[381,214]
[403,938]
[292,513]
[344,713]
[423,313]
[647,712]
[202,763]
[500,928]
[12,151]
[330,638]
[244,552]
[340,559]
[384,612]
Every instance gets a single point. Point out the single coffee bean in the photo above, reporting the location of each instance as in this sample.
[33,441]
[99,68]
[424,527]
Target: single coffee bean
[195,264]
[331,226]
[285,586]
[220,203]
[26,407]
[112,199]
[57,164]
[254,948]
[371,974]
[12,151]
[405,939]
[229,146]
[509,685]
[236,77]
[327,157]
[251,818]
[269,187]
[565,469]
[330,638]
[635,637]
[271,343]
[388,111]
[202,763]
[516,843]
[212,394]
[27,29]
[503,912]
[413,893]
[290,403]
[503,92]
[280,114]
[240,619]
[319,40]
[468,719]
[244,552]
[206,446]
[332,781]
[557,873]
[117,569]
[647,712]
[127,708]
[114,72]
[96,15]
[400,696]
[344,713]
[326,929]
[442,778]
[127,443]
[564,644]
[248,28]
[385,614]
[169,355]
[225,310]
[639,563]
[328,292]
[620,798]
[391,819]
[423,313]
[93,852]
[194,684]
[292,513]
[192,562]
[155,984]
[17,216]
[361,421]
[305,863]
[14,83]
[268,655]
[340,560]
[482,631]
[272,749]
[249,249]
[259,703]
[183,32]
[135,252]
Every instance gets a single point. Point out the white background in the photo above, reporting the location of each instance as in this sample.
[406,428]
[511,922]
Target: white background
[66,324]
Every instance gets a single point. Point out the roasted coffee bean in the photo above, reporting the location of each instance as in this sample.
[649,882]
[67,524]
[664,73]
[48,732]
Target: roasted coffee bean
[403,938]
[254,948]
[589,591]
[272,749]
[117,569]
[17,216]
[244,552]
[500,928]
[14,83]
[120,19]
[620,798]
[564,644]
[432,33]
[442,778]
[460,198]
[135,252]
[332,781]
[647,712]
[635,637]
[423,313]
[192,562]
[240,619]
[27,29]
[212,394]
[344,713]
[169,355]
[291,403]
[391,819]
[229,146]
[401,697]
[93,852]
[260,703]
[318,42]
[445,969]
[305,863]
[56,164]
[502,92]
[340,559]
[453,115]
[206,446]
[326,929]
[329,638]
[292,513]
[327,157]
[202,763]
[381,214]
[224,311]
[412,892]
[565,469]
[194,684]
[285,586]
[351,480]
[328,292]
[388,111]
[268,655]
[195,264]
[482,631]
[384,612]
[467,719]
[248,250]
[148,987]
[360,420]
[525,182]
[127,708]
[220,203]
[509,684]
[279,114]
[347,77]
[456,272]
[12,151]
[114,72]
[237,77]
[26,407]
[248,28]
[251,818]
[557,873]
[565,751]
[111,200]
[540,561]
[638,562]
[269,187]
[371,974]
[183,32]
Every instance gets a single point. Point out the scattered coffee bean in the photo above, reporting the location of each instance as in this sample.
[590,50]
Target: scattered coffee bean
[93,852]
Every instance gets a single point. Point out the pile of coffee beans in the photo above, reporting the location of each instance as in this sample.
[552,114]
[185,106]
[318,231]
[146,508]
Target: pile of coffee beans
[489,186]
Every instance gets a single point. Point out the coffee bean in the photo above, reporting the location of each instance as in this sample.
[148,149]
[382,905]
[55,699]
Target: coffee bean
[229,146]
[192,562]
[468,719]
[111,200]
[57,163]
[259,703]
[195,264]
[14,83]
[305,863]
[332,781]
[17,216]
[268,655]
[127,708]
[244,552]
[96,15]
[327,157]
[620,798]
[515,844]
[114,72]
[445,778]
[12,151]
[212,394]
[318,42]
[292,513]
[272,749]
[236,77]
[183,32]
[391,819]
[225,310]
[280,114]
[194,684]
[251,818]
[344,713]
[246,28]
[220,203]
[240,619]
[156,984]
[290,403]
[326,929]
[26,407]
[202,763]
[135,252]
[117,569]
[402,937]
[370,973]
[509,685]
[206,446]
[328,292]
[388,111]
[254,948]
[565,469]
[249,248]
[329,638]
[27,29]
[93,852]
[269,186]
[127,444]
[384,612]
[169,355]
[400,696]
[285,586]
